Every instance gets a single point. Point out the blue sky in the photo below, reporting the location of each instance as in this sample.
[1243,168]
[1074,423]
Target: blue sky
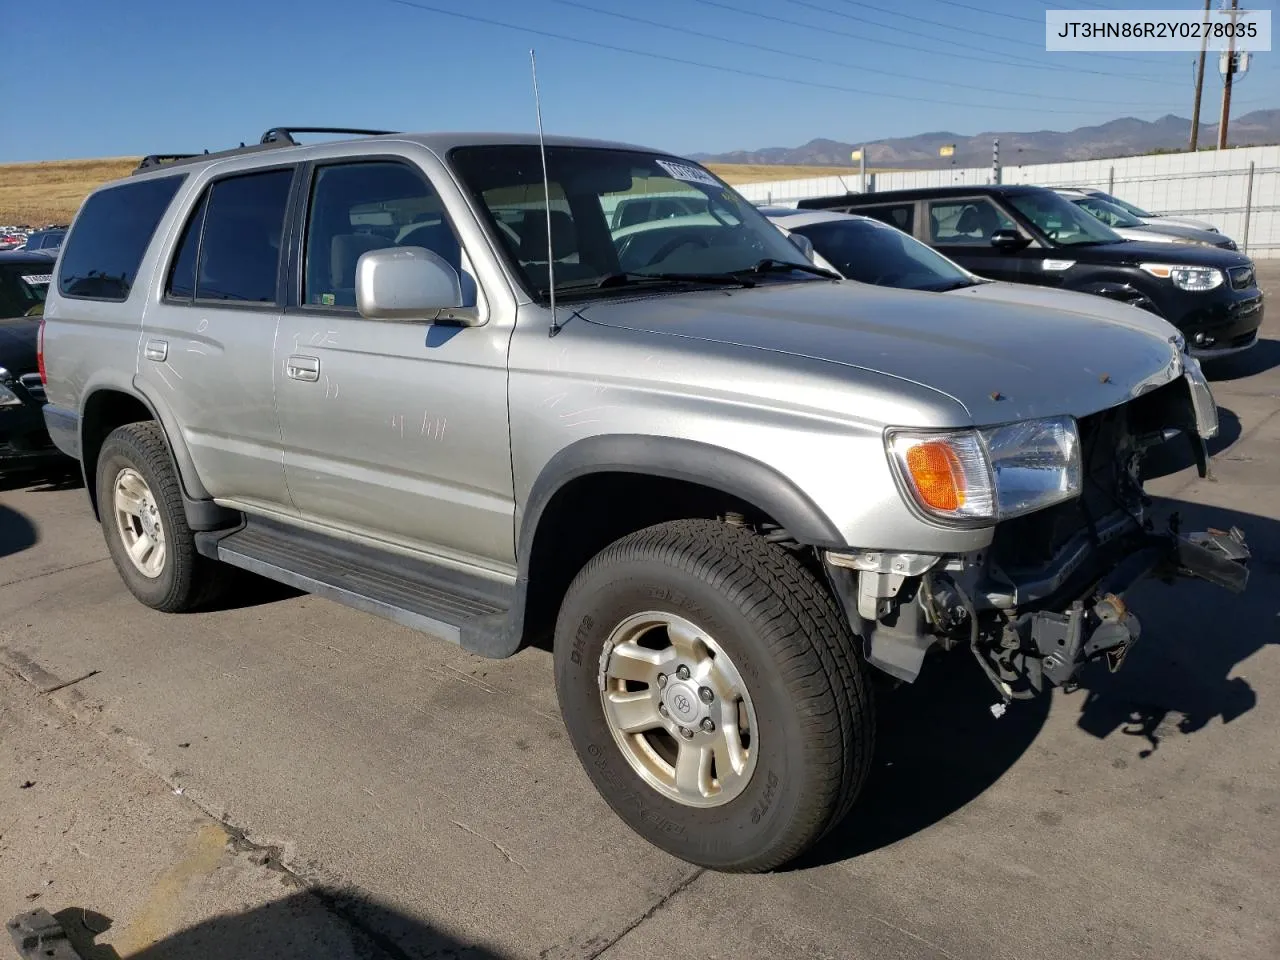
[102,78]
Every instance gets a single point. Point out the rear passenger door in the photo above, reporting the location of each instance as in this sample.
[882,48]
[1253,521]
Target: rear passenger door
[207,344]
[394,430]
[961,228]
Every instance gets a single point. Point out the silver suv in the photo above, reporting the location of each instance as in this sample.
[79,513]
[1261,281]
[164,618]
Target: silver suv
[732,487]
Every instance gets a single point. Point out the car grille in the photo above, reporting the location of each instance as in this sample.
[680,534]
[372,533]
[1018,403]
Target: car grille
[34,386]
[1241,277]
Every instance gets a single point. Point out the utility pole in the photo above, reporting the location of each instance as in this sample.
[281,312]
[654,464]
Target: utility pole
[1195,109]
[995,160]
[1226,83]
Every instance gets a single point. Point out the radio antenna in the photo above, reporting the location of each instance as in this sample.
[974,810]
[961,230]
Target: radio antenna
[546,193]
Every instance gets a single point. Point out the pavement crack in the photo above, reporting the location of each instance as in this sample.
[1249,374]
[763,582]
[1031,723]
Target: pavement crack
[67,683]
[658,905]
[49,573]
[494,843]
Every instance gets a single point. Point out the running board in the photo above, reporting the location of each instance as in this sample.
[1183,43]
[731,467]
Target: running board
[462,608]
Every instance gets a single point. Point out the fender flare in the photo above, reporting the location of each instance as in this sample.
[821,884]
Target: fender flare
[201,512]
[674,458]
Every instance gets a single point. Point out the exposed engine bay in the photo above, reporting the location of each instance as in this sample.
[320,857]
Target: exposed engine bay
[1047,595]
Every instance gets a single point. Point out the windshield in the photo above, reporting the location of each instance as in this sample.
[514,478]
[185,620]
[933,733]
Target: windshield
[616,212]
[22,287]
[871,252]
[1061,220]
[1124,205]
[1108,213]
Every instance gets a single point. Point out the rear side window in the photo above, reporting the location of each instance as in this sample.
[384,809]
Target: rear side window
[100,260]
[182,276]
[243,222]
[900,215]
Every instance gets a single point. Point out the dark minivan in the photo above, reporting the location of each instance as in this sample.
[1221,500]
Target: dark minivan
[1025,234]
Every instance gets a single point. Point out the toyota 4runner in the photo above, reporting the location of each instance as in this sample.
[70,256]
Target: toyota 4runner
[410,374]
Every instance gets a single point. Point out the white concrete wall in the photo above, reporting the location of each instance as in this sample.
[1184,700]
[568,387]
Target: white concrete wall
[1209,185]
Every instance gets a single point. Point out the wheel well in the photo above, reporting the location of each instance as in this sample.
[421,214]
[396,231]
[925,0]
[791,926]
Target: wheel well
[591,512]
[103,412]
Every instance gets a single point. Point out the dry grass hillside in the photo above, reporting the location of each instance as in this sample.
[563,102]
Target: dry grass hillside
[51,191]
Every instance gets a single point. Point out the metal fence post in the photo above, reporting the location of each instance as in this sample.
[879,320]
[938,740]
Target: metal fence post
[1111,180]
[1248,208]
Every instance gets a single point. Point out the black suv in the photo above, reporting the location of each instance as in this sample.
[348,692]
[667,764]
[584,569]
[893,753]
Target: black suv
[24,281]
[1026,234]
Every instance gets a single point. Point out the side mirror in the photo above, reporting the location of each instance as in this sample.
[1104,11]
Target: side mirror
[1008,240]
[410,283]
[804,243]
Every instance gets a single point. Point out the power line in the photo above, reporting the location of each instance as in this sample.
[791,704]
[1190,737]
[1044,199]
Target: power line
[993,13]
[985,35]
[737,71]
[838,63]
[1015,60]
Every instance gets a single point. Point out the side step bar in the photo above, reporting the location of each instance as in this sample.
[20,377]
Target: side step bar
[444,602]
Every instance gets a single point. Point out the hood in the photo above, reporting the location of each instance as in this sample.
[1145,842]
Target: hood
[1171,233]
[1183,222]
[1132,252]
[18,345]
[1001,361]
[1083,304]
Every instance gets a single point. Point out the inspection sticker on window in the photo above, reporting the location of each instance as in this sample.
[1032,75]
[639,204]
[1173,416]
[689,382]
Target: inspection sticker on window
[682,171]
[38,279]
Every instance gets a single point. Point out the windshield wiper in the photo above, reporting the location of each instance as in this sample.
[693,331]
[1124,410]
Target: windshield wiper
[770,265]
[614,280]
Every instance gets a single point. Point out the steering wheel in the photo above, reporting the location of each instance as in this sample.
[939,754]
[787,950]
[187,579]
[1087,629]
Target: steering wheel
[671,246]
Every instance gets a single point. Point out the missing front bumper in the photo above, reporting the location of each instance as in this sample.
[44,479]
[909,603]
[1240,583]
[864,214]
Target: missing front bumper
[1050,646]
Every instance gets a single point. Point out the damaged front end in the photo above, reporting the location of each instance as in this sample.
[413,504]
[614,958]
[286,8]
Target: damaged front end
[1048,594]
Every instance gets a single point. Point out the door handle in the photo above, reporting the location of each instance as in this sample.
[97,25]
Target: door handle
[157,350]
[302,368]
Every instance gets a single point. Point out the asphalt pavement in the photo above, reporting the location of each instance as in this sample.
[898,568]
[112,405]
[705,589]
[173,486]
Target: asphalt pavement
[286,777]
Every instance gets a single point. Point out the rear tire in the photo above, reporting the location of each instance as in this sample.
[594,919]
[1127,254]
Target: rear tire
[714,600]
[145,525]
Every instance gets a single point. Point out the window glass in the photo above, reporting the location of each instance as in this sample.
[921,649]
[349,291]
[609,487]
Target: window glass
[616,214]
[1061,220]
[966,221]
[900,215]
[240,245]
[101,258]
[359,207]
[22,287]
[870,252]
[1108,213]
[182,277]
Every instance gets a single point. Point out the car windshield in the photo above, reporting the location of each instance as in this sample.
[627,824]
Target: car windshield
[619,216]
[1126,206]
[23,287]
[1061,220]
[1108,213]
[872,252]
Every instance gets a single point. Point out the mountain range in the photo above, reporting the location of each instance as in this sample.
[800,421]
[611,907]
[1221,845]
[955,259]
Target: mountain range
[1127,136]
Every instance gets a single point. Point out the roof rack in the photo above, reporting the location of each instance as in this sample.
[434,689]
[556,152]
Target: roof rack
[285,134]
[273,138]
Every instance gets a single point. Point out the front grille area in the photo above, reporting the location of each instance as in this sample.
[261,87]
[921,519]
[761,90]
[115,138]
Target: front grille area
[1241,278]
[1032,542]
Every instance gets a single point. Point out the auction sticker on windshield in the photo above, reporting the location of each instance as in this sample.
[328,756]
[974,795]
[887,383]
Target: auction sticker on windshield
[682,171]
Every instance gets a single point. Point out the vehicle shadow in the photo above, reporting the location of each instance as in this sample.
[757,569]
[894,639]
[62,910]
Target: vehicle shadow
[61,473]
[17,533]
[1177,454]
[1179,676]
[1262,357]
[939,747]
[250,590]
[306,925]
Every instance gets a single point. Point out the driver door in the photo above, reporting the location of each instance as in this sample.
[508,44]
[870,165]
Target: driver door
[962,227]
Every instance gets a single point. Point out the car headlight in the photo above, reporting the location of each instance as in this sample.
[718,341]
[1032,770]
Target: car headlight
[1193,279]
[971,477]
[7,397]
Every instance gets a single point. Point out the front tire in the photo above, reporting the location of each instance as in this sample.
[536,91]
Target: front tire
[145,525]
[713,694]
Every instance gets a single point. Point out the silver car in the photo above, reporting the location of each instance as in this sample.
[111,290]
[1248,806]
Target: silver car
[430,377]
[1147,216]
[1132,228]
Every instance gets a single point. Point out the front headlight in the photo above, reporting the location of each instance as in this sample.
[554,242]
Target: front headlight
[1192,279]
[970,477]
